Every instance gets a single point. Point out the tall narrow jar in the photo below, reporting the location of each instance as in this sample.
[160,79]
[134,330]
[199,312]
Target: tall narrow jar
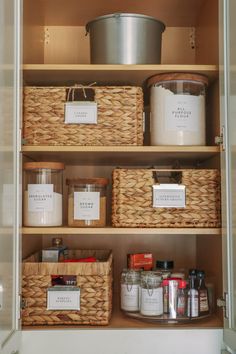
[177,106]
[43,193]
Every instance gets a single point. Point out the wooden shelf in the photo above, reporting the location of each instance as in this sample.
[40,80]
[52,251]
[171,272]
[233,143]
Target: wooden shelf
[110,155]
[66,74]
[118,231]
[121,321]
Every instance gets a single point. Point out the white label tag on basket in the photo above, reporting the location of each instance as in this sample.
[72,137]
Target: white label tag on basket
[63,298]
[169,196]
[81,112]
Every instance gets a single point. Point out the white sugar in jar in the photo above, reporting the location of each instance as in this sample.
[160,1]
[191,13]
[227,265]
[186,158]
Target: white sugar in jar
[177,109]
[151,302]
[130,288]
[43,193]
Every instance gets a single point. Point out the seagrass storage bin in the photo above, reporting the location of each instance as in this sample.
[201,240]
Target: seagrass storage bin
[119,122]
[132,202]
[94,280]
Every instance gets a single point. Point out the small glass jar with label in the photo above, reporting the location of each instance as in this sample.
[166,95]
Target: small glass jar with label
[43,193]
[87,202]
[177,106]
[130,290]
[151,295]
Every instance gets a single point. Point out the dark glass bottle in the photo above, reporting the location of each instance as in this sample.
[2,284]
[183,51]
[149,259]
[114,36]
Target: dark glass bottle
[203,294]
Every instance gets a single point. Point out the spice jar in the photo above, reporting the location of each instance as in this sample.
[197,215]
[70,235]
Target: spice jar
[87,202]
[177,105]
[130,284]
[43,193]
[165,268]
[151,295]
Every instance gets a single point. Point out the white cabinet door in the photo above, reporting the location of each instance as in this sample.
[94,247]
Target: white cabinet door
[228,106]
[9,176]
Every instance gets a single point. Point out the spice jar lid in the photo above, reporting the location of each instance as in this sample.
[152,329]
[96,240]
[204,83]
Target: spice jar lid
[46,165]
[99,181]
[177,76]
[166,265]
[182,284]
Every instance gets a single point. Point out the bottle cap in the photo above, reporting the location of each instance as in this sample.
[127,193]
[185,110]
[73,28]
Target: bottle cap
[165,282]
[182,284]
[166,265]
[57,241]
[192,272]
[200,274]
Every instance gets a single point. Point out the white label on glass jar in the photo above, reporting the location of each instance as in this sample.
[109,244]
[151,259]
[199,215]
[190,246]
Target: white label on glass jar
[40,197]
[130,297]
[152,302]
[81,112]
[86,205]
[169,196]
[63,298]
[182,113]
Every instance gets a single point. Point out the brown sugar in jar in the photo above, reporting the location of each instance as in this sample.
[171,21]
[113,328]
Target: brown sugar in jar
[87,202]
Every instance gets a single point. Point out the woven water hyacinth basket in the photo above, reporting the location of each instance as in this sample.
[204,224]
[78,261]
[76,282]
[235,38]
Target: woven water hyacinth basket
[94,280]
[132,202]
[120,117]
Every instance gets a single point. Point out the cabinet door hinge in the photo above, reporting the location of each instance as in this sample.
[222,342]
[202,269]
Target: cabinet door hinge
[220,140]
[224,302]
[21,306]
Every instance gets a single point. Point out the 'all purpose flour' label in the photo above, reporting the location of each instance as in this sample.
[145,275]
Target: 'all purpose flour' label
[182,113]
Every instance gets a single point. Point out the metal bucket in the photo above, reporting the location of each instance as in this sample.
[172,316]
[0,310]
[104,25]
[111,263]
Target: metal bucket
[123,38]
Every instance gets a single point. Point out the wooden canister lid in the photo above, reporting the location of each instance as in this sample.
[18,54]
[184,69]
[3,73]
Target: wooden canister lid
[46,165]
[100,181]
[177,76]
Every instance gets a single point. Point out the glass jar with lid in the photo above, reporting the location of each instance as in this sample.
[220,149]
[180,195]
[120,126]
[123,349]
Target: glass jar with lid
[151,295]
[177,105]
[43,193]
[87,202]
[130,288]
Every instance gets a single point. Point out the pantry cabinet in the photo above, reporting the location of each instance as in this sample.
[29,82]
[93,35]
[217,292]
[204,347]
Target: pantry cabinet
[55,51]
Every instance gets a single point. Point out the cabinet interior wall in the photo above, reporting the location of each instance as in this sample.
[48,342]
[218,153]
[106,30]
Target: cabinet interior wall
[54,33]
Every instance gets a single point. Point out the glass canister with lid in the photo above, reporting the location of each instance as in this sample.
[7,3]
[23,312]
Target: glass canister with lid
[177,106]
[87,202]
[151,294]
[130,290]
[43,193]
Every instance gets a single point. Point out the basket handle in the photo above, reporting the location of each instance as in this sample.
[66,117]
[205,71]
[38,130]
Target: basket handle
[89,96]
[171,176]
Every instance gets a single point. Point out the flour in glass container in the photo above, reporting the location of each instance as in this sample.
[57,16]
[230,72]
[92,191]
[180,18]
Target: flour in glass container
[177,119]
